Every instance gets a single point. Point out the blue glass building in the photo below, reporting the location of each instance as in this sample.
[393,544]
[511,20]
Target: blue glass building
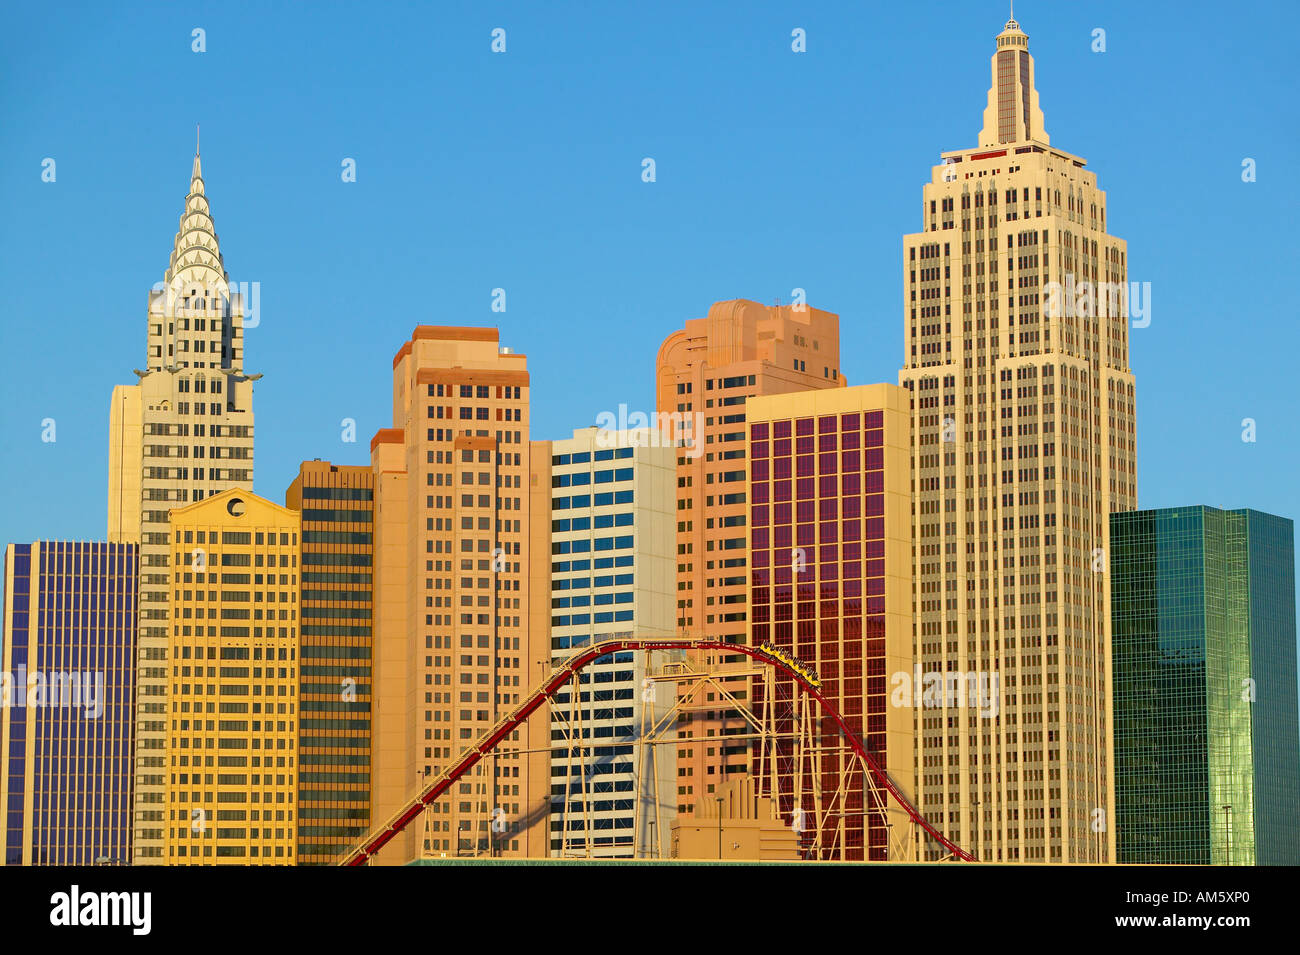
[68,658]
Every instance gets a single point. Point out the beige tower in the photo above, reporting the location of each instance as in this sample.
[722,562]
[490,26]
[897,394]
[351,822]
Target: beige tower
[182,433]
[1023,431]
[452,652]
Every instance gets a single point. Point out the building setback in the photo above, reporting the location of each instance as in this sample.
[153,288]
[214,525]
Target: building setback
[706,372]
[337,505]
[182,433]
[610,539]
[68,709]
[1207,757]
[233,699]
[1023,428]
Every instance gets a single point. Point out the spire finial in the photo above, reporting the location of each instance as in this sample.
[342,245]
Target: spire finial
[197,171]
[195,246]
[1013,113]
[1011,23]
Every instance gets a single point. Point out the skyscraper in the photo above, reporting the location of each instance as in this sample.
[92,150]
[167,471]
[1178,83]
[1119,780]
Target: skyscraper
[831,567]
[183,432]
[232,707]
[68,665]
[337,506]
[706,372]
[451,647]
[1023,430]
[610,537]
[1207,756]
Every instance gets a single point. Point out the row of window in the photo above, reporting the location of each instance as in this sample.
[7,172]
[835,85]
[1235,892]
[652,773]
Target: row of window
[582,583]
[338,493]
[585,477]
[587,600]
[586,619]
[587,523]
[586,546]
[241,537]
[603,499]
[600,563]
[583,457]
[474,391]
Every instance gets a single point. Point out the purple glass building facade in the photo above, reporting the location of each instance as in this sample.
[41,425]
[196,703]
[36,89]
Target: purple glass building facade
[68,662]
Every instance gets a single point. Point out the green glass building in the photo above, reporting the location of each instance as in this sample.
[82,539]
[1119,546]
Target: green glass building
[1207,752]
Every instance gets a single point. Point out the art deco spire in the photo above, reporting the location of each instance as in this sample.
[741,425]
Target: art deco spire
[196,254]
[1012,114]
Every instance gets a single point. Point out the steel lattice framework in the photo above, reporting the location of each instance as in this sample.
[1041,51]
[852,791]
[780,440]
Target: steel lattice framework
[770,658]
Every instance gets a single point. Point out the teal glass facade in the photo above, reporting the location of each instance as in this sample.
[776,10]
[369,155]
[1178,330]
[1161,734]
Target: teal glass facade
[1207,752]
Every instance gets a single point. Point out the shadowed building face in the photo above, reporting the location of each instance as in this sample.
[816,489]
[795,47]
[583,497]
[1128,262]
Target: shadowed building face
[336,503]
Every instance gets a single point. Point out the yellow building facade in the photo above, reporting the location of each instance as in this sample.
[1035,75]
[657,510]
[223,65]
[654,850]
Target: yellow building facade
[232,698]
[182,433]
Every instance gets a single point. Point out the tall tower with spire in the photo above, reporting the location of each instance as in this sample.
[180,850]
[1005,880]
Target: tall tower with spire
[182,433]
[1012,114]
[1016,355]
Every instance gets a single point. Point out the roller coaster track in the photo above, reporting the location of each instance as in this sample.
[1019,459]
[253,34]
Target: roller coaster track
[381,835]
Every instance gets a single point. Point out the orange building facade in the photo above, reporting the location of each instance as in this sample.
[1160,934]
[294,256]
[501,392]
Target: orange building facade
[452,653]
[706,372]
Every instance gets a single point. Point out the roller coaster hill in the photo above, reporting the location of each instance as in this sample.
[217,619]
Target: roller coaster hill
[803,675]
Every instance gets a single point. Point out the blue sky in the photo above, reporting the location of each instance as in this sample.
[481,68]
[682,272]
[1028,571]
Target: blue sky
[522,171]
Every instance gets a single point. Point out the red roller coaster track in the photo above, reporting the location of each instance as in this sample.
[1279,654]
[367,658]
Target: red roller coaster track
[381,835]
